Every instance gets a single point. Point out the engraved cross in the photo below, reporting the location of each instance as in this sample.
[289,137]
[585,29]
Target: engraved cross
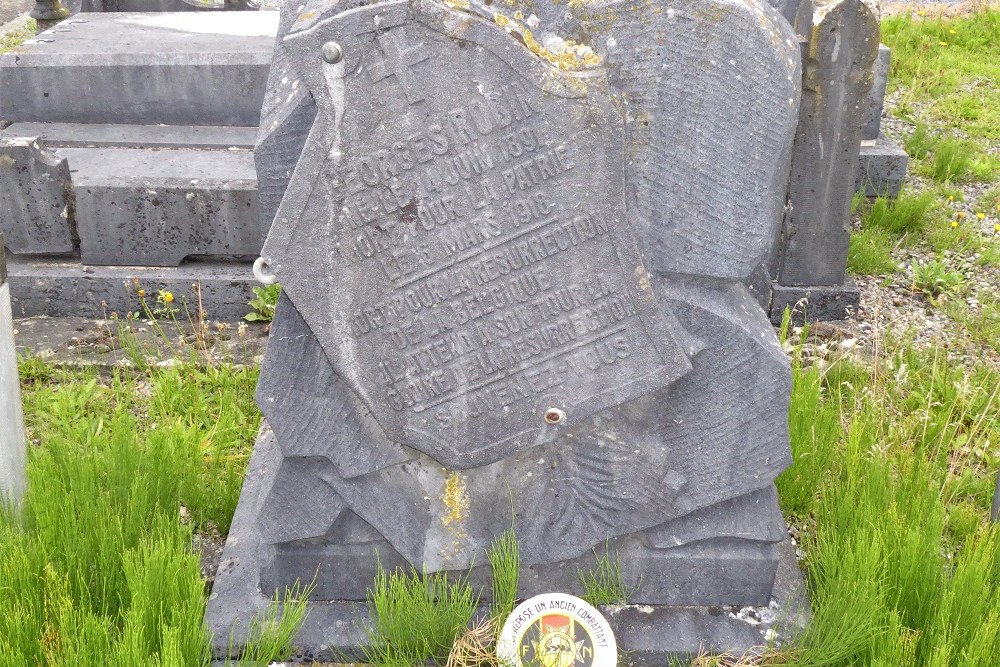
[396,61]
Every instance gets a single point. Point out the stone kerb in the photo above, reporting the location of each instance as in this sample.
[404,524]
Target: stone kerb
[12,442]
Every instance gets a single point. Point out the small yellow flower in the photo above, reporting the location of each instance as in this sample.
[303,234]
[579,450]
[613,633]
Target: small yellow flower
[952,31]
[980,215]
[921,13]
[942,43]
[954,224]
[996,228]
[142,293]
[168,297]
[951,198]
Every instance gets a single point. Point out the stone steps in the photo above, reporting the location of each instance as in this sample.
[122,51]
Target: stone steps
[183,68]
[130,195]
[130,154]
[65,287]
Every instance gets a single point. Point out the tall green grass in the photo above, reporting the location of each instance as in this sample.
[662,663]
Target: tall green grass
[956,84]
[881,462]
[97,566]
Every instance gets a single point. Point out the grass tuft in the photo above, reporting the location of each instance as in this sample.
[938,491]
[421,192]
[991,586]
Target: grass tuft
[603,583]
[416,617]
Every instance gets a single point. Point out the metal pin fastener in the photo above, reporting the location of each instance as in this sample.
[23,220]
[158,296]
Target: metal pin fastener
[332,53]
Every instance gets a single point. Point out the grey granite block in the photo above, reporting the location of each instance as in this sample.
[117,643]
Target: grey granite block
[13,450]
[57,287]
[816,303]
[189,68]
[36,198]
[882,168]
[134,136]
[157,207]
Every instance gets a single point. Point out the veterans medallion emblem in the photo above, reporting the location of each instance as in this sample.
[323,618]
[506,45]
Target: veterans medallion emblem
[557,630]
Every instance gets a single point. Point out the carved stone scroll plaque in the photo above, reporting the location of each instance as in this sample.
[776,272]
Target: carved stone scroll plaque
[455,234]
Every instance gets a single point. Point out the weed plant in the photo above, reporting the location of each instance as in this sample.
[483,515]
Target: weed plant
[935,280]
[504,556]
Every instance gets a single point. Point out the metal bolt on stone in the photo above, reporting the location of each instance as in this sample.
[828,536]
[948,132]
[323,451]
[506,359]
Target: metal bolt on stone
[332,53]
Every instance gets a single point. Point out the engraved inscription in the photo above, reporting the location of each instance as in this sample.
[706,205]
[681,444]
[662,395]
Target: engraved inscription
[465,219]
[475,269]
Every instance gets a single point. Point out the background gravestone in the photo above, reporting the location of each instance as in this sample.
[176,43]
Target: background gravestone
[513,277]
[810,261]
[12,443]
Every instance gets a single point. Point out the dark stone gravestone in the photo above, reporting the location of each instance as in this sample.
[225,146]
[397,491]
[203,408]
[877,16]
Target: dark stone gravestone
[810,262]
[513,278]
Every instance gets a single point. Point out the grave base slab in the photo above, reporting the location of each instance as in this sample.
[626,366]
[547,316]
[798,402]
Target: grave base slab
[821,302]
[336,631]
[64,286]
[882,168]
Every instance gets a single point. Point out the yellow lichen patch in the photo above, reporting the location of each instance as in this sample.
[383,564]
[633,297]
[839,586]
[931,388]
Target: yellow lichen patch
[305,16]
[456,500]
[458,4]
[642,276]
[566,54]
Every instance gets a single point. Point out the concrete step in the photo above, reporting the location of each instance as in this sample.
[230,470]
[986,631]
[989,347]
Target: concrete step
[134,136]
[183,68]
[156,207]
[129,195]
[65,287]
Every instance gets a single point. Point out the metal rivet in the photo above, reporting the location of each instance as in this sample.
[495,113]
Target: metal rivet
[554,416]
[332,53]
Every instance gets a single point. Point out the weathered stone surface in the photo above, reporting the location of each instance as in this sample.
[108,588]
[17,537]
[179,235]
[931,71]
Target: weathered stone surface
[12,443]
[836,81]
[882,168]
[514,293]
[718,214]
[285,119]
[335,630]
[156,207]
[461,209]
[818,303]
[35,198]
[798,13]
[133,136]
[871,121]
[198,68]
[55,287]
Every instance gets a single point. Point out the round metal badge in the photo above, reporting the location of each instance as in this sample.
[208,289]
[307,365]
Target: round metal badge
[557,630]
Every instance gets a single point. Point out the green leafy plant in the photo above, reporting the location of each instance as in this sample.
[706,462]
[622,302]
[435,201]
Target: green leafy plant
[603,583]
[934,279]
[920,142]
[264,302]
